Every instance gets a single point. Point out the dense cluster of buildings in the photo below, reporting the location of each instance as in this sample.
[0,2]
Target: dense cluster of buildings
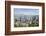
[25,21]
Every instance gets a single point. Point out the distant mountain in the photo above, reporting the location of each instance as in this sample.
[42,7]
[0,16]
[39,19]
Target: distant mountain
[28,16]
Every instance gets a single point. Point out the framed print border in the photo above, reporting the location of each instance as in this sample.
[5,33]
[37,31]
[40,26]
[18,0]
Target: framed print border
[8,17]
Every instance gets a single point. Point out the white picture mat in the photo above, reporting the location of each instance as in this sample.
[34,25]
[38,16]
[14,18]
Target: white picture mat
[25,28]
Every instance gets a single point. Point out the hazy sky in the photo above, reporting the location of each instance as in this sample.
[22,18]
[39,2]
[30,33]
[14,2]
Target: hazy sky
[26,11]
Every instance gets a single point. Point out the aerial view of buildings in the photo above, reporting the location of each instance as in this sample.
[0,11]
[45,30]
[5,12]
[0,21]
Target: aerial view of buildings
[26,17]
